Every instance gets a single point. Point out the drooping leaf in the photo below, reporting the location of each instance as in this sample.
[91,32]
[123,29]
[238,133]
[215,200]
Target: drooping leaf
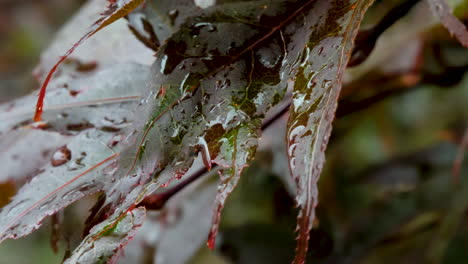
[237,150]
[456,28]
[106,249]
[77,104]
[183,222]
[316,90]
[77,168]
[116,10]
[71,174]
[111,46]
[223,70]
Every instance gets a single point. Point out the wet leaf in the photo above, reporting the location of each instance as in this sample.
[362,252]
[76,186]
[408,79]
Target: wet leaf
[208,83]
[116,10]
[106,249]
[157,20]
[237,151]
[316,90]
[218,73]
[55,187]
[456,28]
[125,48]
[183,222]
[74,105]
[18,164]
[80,170]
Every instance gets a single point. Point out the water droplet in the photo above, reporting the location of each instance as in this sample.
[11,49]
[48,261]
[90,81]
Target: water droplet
[326,84]
[295,132]
[320,50]
[114,141]
[61,156]
[173,15]
[163,64]
[77,163]
[111,168]
[205,152]
[210,27]
[86,187]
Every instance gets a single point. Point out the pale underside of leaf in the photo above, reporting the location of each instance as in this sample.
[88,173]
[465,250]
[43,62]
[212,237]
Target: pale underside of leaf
[91,146]
[24,150]
[55,187]
[316,90]
[115,11]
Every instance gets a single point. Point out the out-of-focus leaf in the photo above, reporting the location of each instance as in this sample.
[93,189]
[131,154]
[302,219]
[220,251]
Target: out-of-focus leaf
[397,38]
[456,28]
[7,190]
[450,223]
[316,90]
[106,249]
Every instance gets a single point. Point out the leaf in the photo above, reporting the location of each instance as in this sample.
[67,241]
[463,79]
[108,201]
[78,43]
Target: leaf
[183,222]
[316,90]
[116,10]
[157,20]
[237,151]
[106,248]
[72,172]
[206,84]
[77,104]
[125,47]
[18,164]
[456,28]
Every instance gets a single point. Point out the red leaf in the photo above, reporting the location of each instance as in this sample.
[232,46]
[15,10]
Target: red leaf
[316,90]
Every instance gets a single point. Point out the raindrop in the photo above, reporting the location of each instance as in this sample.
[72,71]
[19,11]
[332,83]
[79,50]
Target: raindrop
[114,141]
[326,84]
[210,27]
[77,163]
[173,15]
[61,156]
[111,168]
[320,50]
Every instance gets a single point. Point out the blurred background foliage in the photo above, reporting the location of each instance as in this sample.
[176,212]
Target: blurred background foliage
[389,193]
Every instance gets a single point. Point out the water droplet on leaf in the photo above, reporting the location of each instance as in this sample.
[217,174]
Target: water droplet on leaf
[61,156]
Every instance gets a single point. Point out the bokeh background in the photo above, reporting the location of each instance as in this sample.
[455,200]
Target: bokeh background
[395,187]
